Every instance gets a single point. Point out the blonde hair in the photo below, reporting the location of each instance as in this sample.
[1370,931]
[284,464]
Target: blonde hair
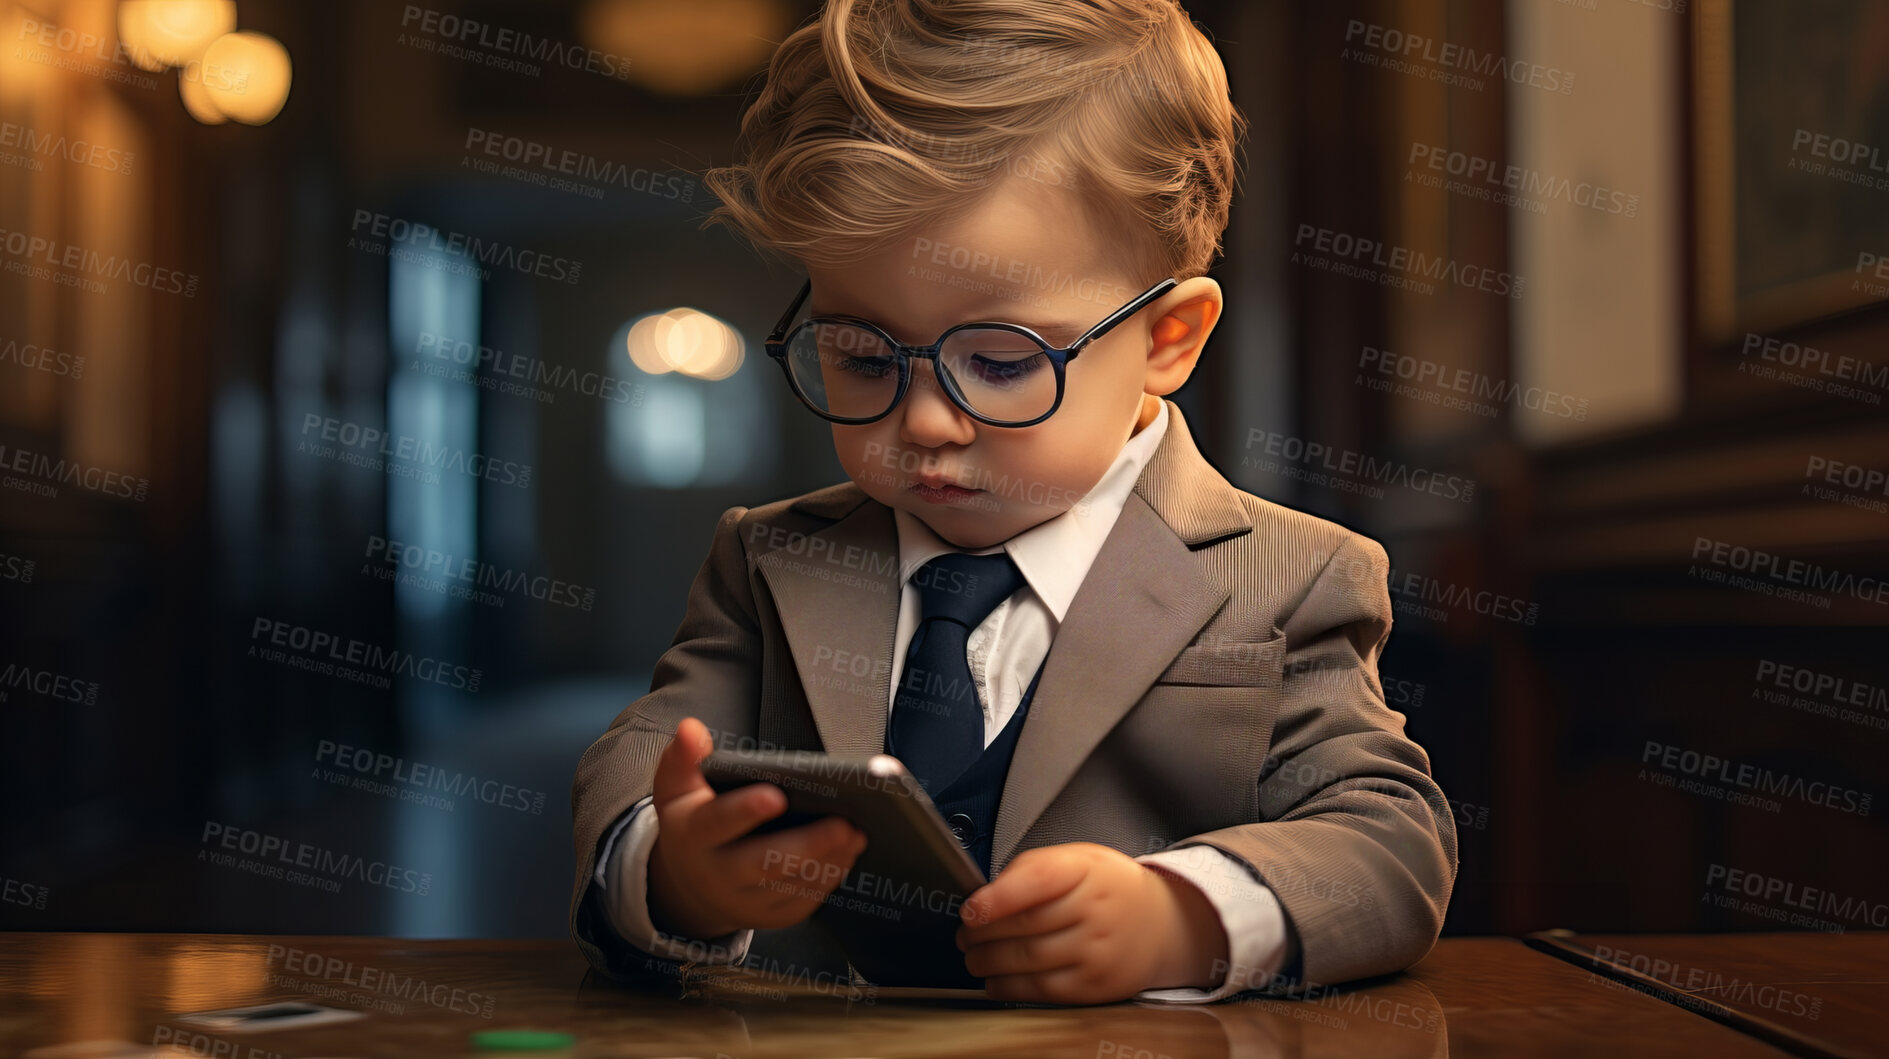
[882,116]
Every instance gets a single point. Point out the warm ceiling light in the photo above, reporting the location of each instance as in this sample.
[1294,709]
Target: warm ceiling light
[196,100]
[685,49]
[686,341]
[730,352]
[247,76]
[157,34]
[689,340]
[642,346]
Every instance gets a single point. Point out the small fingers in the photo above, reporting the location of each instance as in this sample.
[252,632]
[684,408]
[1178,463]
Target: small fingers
[735,813]
[1027,882]
[788,850]
[1027,954]
[1045,918]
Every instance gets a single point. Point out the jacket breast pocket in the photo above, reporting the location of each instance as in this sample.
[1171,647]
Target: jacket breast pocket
[1201,733]
[1228,663]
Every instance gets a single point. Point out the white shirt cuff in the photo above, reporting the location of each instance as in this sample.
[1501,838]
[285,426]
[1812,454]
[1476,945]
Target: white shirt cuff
[1258,940]
[622,876]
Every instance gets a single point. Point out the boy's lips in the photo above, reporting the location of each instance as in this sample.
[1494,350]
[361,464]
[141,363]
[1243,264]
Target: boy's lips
[941,481]
[938,489]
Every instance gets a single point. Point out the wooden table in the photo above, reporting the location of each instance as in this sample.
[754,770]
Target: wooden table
[1814,994]
[1470,997]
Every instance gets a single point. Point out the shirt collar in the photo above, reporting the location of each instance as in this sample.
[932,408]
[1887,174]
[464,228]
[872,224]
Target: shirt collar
[1054,556]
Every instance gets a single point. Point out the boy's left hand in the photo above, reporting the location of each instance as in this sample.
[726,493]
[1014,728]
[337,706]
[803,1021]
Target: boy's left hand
[1080,923]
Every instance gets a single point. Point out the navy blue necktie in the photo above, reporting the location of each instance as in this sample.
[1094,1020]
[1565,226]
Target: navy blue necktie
[937,727]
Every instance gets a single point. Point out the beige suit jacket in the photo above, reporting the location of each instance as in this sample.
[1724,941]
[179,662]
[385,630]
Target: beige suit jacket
[1214,681]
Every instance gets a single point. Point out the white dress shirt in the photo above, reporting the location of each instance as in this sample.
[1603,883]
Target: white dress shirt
[1004,652]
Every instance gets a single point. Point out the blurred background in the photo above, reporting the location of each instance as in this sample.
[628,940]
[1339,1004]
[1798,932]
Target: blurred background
[369,391]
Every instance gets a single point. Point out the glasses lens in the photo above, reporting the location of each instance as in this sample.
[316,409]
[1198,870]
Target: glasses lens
[844,370]
[1003,375]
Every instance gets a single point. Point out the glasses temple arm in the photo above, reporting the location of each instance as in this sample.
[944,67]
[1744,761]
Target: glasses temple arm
[1126,311]
[780,329]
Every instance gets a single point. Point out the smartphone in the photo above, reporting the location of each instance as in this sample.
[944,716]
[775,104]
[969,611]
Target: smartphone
[896,911]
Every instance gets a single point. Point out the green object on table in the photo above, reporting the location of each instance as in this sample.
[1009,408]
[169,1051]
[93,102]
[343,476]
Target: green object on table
[520,1040]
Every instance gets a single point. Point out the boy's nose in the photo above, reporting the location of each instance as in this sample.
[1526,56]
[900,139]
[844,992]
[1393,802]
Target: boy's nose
[927,416]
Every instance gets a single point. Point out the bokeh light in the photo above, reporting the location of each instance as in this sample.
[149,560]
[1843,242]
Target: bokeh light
[246,75]
[159,34]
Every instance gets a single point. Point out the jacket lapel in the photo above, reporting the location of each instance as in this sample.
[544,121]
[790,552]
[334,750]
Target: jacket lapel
[1144,599]
[837,591]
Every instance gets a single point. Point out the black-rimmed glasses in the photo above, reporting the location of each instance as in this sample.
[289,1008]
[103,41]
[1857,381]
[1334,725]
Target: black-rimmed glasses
[851,371]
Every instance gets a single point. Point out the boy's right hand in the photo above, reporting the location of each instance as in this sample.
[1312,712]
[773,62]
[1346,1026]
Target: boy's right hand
[708,876]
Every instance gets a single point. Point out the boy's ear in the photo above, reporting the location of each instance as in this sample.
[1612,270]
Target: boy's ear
[1188,314]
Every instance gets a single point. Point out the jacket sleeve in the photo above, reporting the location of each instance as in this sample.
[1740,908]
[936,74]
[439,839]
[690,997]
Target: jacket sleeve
[710,671]
[1355,837]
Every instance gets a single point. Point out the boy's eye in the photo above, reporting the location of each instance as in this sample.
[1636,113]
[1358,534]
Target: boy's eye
[1001,371]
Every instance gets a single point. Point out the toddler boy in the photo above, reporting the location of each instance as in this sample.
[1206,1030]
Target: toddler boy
[1146,701]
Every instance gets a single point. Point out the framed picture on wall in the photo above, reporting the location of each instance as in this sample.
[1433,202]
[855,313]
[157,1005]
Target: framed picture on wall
[1791,185]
